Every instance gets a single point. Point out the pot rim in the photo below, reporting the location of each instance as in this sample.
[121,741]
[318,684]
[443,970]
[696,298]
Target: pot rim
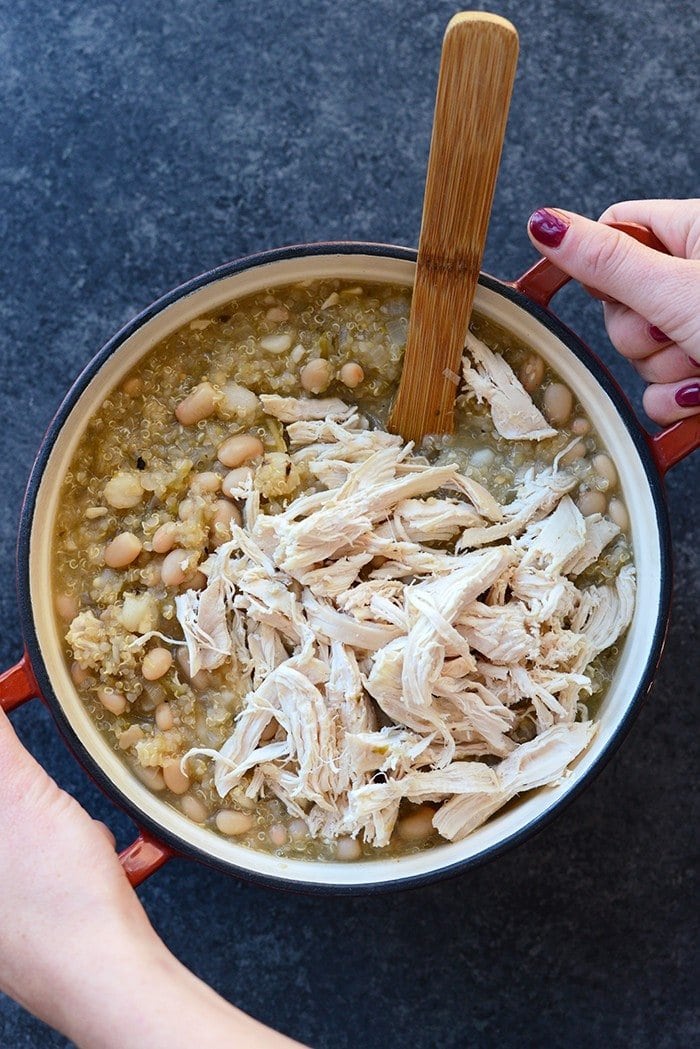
[162,834]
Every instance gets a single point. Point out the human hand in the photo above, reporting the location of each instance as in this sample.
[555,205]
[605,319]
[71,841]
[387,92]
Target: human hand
[76,946]
[651,301]
[60,878]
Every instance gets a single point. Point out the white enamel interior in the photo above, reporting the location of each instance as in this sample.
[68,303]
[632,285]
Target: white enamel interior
[636,647]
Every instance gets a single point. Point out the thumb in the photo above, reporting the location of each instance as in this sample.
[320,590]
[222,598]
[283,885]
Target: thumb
[660,287]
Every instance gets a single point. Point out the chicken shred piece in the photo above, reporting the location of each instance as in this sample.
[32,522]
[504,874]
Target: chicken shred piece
[433,520]
[202,616]
[461,777]
[550,543]
[293,409]
[492,379]
[541,762]
[499,633]
[599,532]
[605,612]
[437,603]
[536,497]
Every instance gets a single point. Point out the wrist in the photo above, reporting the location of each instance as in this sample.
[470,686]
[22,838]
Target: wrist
[108,979]
[136,993]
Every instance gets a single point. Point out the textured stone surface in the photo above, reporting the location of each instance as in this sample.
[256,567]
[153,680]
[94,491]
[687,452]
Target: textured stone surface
[142,143]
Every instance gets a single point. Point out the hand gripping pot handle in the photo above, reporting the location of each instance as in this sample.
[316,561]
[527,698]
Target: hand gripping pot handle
[541,283]
[145,855]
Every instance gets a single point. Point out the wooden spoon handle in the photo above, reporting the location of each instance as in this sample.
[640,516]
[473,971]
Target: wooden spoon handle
[477,70]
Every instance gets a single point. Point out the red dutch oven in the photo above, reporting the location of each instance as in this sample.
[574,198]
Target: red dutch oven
[520,306]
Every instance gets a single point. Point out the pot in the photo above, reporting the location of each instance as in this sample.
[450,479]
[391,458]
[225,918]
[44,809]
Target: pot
[520,306]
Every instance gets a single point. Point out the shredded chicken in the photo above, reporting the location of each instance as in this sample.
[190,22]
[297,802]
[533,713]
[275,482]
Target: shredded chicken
[402,631]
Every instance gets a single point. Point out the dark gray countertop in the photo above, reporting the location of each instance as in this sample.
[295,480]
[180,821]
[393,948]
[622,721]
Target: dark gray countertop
[143,143]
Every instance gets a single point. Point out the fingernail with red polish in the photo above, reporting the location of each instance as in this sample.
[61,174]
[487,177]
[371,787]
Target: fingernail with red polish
[689,396]
[658,335]
[548,227]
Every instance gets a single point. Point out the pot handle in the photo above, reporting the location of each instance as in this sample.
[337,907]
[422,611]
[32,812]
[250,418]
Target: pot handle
[145,855]
[541,283]
[17,685]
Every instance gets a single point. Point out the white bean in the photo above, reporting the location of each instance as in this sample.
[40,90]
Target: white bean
[416,825]
[187,509]
[79,674]
[226,514]
[151,777]
[603,465]
[316,375]
[164,717]
[175,779]
[193,809]
[132,386]
[238,794]
[123,549]
[239,449]
[198,405]
[176,567]
[277,314]
[205,482]
[156,662]
[348,849]
[165,537]
[112,701]
[298,830]
[577,452]
[351,374]
[482,457]
[592,503]
[131,735]
[617,512]
[234,823]
[580,427]
[531,372]
[278,834]
[276,343]
[557,403]
[124,490]
[67,606]
[236,481]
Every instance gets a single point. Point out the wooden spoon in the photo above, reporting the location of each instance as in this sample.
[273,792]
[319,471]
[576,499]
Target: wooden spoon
[477,69]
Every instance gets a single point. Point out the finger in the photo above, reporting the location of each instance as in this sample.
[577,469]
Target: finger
[659,287]
[675,222]
[667,403]
[107,832]
[669,365]
[631,334]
